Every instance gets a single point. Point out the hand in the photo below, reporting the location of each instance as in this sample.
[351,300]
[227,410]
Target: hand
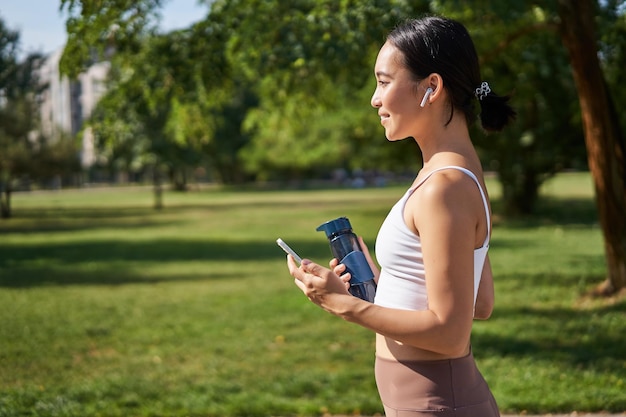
[340,270]
[321,285]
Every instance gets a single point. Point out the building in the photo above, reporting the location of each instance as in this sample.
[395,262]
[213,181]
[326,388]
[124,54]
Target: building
[66,104]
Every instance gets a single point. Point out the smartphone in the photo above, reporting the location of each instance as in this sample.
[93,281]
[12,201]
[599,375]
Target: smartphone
[288,250]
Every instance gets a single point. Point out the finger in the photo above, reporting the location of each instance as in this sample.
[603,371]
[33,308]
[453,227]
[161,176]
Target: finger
[292,265]
[312,271]
[333,263]
[297,273]
[339,269]
[300,285]
[312,268]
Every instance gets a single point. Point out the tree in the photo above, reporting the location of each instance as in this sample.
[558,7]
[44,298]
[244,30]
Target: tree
[603,134]
[147,117]
[521,56]
[299,140]
[295,55]
[574,23]
[275,68]
[299,63]
[24,155]
[312,62]
[9,149]
[95,27]
[183,98]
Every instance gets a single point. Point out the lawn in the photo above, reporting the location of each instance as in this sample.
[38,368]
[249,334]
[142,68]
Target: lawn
[110,308]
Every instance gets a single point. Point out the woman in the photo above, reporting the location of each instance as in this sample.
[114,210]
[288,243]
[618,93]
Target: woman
[435,275]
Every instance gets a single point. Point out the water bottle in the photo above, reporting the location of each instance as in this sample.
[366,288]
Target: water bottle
[344,246]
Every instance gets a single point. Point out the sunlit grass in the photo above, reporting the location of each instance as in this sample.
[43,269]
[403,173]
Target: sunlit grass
[111,308]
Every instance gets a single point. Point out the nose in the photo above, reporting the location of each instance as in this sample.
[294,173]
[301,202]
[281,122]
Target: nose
[375,102]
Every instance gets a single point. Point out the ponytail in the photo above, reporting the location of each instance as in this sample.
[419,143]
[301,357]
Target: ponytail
[495,111]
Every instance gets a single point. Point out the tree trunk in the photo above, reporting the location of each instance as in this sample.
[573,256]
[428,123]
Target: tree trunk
[603,136]
[5,203]
[158,188]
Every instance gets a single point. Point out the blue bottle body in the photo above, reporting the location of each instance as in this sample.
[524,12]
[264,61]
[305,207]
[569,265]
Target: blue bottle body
[344,246]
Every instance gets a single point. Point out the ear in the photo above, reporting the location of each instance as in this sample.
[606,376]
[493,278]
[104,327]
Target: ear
[435,82]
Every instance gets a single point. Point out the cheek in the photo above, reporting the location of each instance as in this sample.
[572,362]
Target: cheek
[400,103]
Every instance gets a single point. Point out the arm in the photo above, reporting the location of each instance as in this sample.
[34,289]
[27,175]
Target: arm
[447,235]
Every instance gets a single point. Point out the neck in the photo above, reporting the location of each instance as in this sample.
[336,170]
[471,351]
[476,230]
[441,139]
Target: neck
[442,142]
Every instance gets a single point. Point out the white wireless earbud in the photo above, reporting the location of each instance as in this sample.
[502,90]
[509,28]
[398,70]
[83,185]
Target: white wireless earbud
[429,91]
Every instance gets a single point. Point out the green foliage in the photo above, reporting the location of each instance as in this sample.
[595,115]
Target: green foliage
[9,42]
[24,155]
[522,56]
[268,89]
[223,153]
[300,138]
[116,126]
[300,44]
[96,26]
[613,52]
[156,110]
[17,108]
[111,308]
[183,86]
[313,62]
[297,137]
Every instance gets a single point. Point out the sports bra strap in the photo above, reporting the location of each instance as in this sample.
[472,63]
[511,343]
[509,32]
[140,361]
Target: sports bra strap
[480,188]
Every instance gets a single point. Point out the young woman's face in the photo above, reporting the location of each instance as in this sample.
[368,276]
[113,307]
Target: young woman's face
[395,96]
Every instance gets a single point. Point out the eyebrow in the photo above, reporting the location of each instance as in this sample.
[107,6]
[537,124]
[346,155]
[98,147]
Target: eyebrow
[383,73]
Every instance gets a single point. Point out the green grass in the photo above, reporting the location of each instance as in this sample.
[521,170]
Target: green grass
[110,308]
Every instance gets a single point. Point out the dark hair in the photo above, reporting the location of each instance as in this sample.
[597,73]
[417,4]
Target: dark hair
[434,44]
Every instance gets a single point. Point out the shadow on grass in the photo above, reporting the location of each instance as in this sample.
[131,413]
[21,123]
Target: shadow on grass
[573,338]
[114,262]
[586,335]
[63,219]
[28,277]
[553,211]
[69,219]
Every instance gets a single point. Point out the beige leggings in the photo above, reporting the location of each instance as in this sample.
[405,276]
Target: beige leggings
[443,388]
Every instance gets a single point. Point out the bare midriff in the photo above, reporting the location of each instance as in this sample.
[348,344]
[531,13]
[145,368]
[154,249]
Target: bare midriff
[391,349]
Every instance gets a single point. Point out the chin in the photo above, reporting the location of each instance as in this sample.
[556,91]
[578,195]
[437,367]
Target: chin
[396,138]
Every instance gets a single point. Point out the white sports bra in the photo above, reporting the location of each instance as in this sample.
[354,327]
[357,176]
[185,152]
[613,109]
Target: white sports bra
[402,281]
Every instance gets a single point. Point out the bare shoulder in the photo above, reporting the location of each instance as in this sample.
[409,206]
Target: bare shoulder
[448,196]
[447,186]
